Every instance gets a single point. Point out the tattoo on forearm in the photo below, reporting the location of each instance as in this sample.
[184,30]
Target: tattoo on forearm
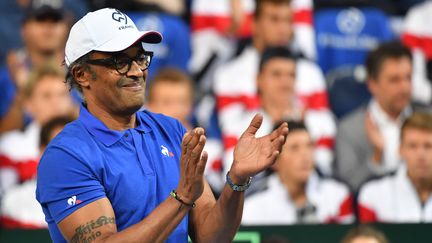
[88,232]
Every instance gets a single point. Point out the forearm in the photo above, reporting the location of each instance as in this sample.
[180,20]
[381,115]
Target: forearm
[223,219]
[156,227]
[13,119]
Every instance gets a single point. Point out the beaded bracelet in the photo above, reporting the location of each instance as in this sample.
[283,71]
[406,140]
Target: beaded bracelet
[173,193]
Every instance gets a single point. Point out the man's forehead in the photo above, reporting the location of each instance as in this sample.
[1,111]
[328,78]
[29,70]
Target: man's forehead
[271,8]
[278,62]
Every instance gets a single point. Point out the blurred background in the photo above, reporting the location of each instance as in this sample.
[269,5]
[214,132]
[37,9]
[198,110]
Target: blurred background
[352,78]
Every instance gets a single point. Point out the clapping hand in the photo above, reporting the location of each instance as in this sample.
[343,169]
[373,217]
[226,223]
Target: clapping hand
[375,138]
[192,164]
[253,155]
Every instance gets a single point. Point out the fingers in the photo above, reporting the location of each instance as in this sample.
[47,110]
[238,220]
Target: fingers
[277,144]
[202,163]
[254,125]
[193,145]
[197,150]
[191,138]
[281,130]
[273,157]
[369,122]
[186,140]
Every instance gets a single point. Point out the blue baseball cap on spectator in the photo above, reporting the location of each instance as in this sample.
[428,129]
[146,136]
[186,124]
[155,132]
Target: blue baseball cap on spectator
[42,10]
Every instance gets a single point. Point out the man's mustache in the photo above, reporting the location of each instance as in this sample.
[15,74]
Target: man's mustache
[127,81]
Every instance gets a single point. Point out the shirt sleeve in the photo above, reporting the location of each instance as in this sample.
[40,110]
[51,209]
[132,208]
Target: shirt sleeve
[65,183]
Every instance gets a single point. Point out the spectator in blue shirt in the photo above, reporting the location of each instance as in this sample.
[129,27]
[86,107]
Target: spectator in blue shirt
[119,175]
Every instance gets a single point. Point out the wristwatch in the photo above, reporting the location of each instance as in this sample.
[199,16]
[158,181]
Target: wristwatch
[238,188]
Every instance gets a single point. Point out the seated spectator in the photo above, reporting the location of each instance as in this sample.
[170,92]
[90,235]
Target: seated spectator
[13,11]
[405,196]
[18,207]
[221,29]
[216,27]
[364,234]
[235,83]
[171,93]
[344,36]
[368,138]
[296,193]
[46,96]
[44,31]
[276,82]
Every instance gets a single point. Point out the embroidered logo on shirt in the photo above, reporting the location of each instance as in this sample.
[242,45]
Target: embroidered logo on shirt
[73,201]
[166,152]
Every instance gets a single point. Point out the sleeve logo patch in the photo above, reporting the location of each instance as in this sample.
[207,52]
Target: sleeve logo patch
[72,201]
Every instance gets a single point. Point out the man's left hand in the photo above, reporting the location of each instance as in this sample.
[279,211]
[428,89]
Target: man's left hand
[253,155]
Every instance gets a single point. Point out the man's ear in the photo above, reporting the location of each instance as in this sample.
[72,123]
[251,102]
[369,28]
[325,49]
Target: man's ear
[371,84]
[82,75]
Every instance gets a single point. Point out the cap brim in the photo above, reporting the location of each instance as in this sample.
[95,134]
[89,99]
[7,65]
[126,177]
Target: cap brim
[123,42]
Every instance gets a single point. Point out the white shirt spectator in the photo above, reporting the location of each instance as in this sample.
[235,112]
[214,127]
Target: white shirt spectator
[19,208]
[390,130]
[393,199]
[18,147]
[328,200]
[21,145]
[236,93]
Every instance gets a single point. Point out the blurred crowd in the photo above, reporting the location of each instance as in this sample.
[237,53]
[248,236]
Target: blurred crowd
[352,79]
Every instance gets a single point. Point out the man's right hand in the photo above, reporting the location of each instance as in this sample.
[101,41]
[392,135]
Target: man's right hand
[192,164]
[375,138]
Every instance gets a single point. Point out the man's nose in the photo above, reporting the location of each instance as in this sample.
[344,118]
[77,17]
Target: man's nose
[135,70]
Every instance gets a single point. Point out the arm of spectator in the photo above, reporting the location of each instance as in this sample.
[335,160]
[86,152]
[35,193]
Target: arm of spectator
[349,165]
[237,15]
[14,117]
[15,74]
[375,139]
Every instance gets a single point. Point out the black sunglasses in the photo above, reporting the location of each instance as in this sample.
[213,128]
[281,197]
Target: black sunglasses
[123,63]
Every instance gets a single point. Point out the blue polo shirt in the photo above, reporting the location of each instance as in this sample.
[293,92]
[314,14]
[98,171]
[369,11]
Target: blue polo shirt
[135,169]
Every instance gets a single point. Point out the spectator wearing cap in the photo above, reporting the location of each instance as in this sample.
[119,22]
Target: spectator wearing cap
[44,31]
[368,138]
[13,12]
[18,207]
[46,95]
[406,195]
[296,194]
[235,82]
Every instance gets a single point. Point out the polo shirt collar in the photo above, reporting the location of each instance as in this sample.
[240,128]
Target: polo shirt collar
[101,132]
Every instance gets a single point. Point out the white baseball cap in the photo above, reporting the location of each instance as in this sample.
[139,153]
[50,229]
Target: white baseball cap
[107,30]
